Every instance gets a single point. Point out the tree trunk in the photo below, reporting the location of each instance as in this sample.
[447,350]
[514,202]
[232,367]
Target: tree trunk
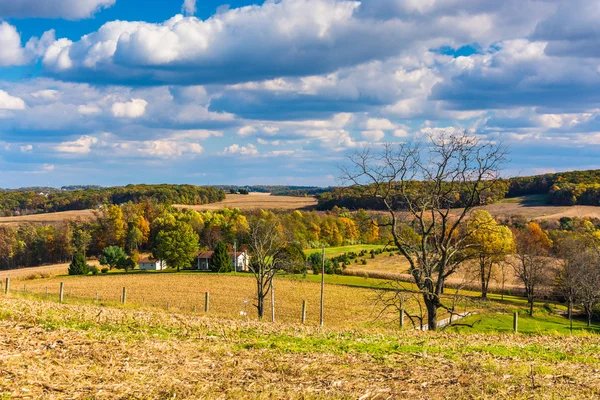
[261,307]
[483,277]
[531,306]
[431,313]
[570,309]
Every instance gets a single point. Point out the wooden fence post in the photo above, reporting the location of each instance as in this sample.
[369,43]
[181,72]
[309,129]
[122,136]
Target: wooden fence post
[124,295]
[401,317]
[61,292]
[206,301]
[321,320]
[7,287]
[516,322]
[303,311]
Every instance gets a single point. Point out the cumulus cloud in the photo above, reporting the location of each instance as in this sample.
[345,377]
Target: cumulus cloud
[132,109]
[248,150]
[379,124]
[374,135]
[68,9]
[26,148]
[189,7]
[83,145]
[11,51]
[8,102]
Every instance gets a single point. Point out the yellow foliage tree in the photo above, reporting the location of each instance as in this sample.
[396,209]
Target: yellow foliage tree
[490,243]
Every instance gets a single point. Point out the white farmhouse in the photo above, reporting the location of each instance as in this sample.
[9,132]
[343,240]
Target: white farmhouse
[149,264]
[205,258]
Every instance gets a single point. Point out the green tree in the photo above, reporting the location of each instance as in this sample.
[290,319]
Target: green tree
[127,264]
[490,244]
[113,256]
[220,260]
[79,266]
[177,246]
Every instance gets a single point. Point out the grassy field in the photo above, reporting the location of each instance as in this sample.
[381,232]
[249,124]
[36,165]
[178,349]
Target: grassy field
[255,201]
[336,251]
[51,350]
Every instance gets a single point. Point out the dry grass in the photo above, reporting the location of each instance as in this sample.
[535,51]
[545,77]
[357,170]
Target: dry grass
[255,201]
[52,351]
[344,306]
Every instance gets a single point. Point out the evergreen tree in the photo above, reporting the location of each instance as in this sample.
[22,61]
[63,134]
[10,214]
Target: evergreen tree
[220,260]
[79,265]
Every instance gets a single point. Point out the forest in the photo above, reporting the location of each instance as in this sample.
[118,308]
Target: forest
[22,202]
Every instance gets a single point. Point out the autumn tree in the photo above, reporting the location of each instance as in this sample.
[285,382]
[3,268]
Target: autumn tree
[532,263]
[490,245]
[419,185]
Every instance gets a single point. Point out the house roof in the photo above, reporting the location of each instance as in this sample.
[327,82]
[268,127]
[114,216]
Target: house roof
[148,260]
[209,254]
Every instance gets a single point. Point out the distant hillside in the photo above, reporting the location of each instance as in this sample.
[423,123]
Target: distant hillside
[44,200]
[561,189]
[279,190]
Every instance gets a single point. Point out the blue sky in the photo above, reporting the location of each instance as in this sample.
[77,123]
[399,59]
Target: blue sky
[113,92]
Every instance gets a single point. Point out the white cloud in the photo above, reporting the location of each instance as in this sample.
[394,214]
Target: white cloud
[249,149]
[8,102]
[11,52]
[88,109]
[69,9]
[379,124]
[373,135]
[48,95]
[133,109]
[166,148]
[189,7]
[83,145]
[26,148]
[246,130]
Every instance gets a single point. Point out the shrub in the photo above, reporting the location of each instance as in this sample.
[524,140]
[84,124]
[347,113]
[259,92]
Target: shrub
[79,265]
[363,261]
[104,270]
[94,270]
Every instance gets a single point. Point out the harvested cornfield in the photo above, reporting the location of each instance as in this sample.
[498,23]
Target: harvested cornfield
[51,351]
[185,292]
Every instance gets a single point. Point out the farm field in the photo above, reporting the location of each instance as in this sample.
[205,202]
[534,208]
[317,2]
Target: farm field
[184,292]
[49,217]
[51,350]
[532,207]
[255,201]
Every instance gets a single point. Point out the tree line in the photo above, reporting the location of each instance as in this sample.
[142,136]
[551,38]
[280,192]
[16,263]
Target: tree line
[21,202]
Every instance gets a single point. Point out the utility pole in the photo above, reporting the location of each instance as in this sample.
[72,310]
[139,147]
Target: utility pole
[272,301]
[322,284]
[235,257]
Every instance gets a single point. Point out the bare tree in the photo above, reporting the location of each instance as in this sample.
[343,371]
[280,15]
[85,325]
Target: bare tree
[572,251]
[532,263]
[265,245]
[419,186]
